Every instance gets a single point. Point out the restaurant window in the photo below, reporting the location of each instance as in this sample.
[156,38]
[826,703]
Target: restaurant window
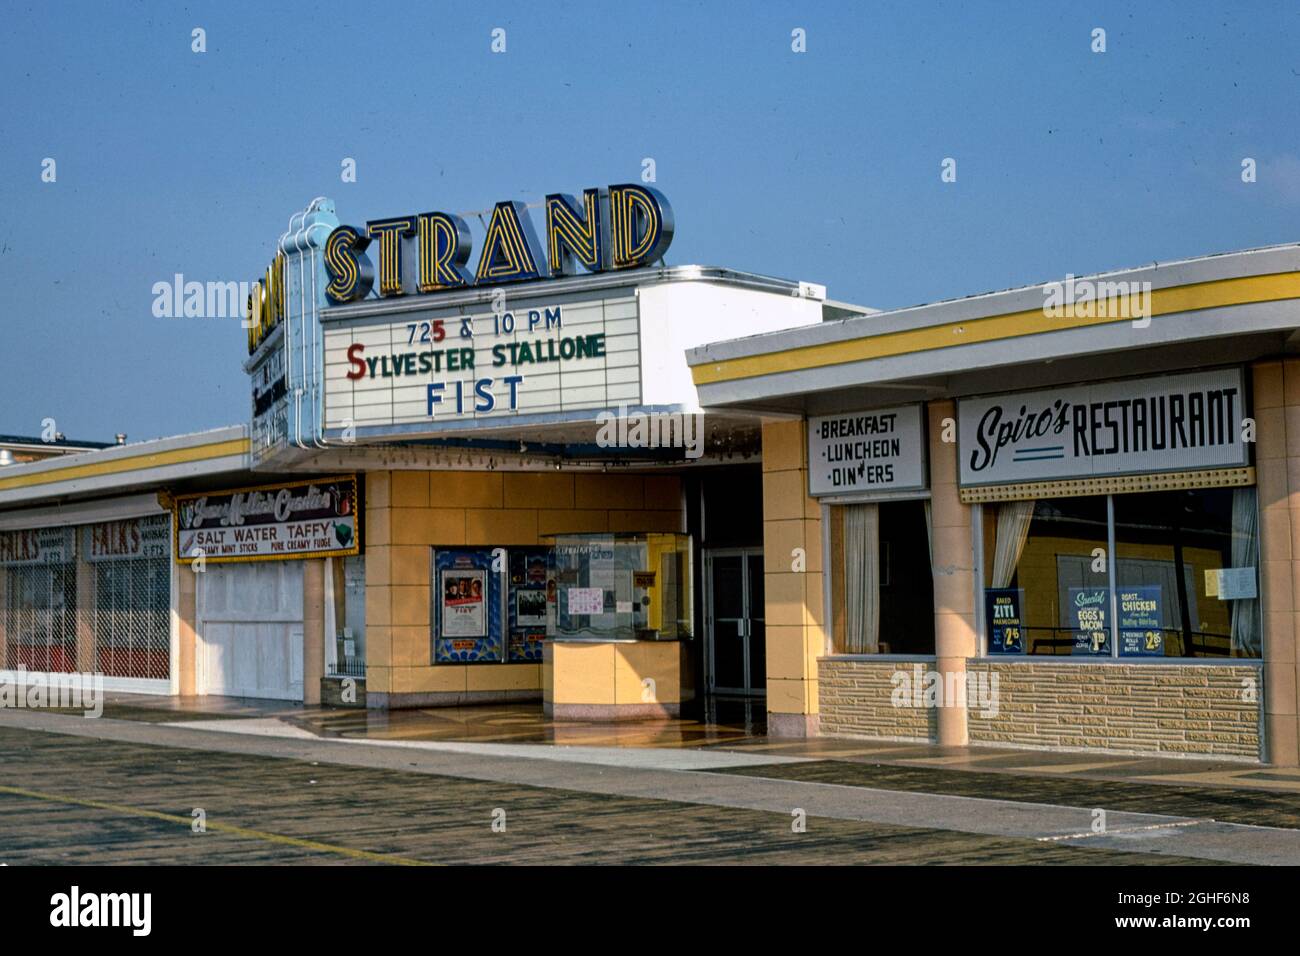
[1186,564]
[1181,582]
[882,591]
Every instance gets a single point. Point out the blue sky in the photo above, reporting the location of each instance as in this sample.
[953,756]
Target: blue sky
[822,166]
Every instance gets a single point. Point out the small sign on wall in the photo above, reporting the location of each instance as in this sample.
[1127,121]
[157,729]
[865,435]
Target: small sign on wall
[1231,584]
[585,600]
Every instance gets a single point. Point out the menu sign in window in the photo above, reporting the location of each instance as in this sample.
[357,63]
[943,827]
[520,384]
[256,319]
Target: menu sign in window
[1140,629]
[1002,617]
[1089,620]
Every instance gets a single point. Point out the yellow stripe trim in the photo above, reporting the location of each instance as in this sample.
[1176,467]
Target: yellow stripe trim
[236,446]
[187,822]
[1185,298]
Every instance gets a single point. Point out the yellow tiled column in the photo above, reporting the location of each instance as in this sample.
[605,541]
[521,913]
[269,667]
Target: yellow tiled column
[313,628]
[1276,389]
[187,616]
[954,570]
[379,602]
[792,562]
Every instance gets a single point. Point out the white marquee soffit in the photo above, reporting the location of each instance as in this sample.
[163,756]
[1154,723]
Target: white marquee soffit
[1257,293]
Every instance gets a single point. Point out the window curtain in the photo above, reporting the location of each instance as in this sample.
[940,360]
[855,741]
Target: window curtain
[1014,518]
[1245,554]
[861,579]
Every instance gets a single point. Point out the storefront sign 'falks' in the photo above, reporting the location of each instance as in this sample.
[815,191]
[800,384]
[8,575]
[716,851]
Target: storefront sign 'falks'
[1171,423]
[619,227]
[881,450]
[36,546]
[303,519]
[127,539]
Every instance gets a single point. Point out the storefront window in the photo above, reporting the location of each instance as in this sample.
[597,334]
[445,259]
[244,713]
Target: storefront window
[882,590]
[132,622]
[1186,564]
[348,586]
[40,625]
[1046,577]
[1181,581]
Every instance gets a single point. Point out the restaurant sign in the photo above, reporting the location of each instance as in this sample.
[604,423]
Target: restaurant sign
[875,451]
[1170,423]
[303,519]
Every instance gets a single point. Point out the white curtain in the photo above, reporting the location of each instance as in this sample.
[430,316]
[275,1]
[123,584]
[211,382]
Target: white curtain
[861,579]
[1014,518]
[1245,554]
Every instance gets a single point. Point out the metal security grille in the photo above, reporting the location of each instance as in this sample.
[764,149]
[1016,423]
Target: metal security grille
[40,626]
[107,611]
[131,618]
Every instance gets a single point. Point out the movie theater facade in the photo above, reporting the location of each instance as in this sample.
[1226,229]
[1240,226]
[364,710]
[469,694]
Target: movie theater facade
[465,479]
[1063,516]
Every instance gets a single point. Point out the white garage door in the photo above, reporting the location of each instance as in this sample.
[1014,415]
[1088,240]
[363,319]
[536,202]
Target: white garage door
[250,630]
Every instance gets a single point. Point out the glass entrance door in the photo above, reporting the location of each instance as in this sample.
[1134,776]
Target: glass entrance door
[734,632]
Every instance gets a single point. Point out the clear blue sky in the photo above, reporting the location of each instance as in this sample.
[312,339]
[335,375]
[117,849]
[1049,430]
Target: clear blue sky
[821,166]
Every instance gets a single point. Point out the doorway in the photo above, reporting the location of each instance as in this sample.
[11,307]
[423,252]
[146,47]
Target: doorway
[734,635]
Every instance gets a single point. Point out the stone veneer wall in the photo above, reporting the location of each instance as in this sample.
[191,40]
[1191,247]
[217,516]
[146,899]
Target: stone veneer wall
[1167,709]
[855,701]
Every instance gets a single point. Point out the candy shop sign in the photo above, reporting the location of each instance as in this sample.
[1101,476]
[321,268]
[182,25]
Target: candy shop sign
[303,519]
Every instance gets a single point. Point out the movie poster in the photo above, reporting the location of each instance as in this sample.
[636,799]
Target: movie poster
[468,599]
[464,601]
[531,602]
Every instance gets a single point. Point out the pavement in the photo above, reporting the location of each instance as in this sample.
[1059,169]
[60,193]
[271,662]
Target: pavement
[863,801]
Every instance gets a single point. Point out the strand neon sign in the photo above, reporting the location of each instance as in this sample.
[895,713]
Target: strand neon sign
[619,227]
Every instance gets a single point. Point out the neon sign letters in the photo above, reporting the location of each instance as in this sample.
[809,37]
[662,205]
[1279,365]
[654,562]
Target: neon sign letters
[619,227]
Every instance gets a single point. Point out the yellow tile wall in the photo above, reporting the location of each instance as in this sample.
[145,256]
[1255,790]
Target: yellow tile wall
[410,512]
[793,598]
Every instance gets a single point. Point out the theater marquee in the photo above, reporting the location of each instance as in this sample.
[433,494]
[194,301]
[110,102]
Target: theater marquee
[539,356]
